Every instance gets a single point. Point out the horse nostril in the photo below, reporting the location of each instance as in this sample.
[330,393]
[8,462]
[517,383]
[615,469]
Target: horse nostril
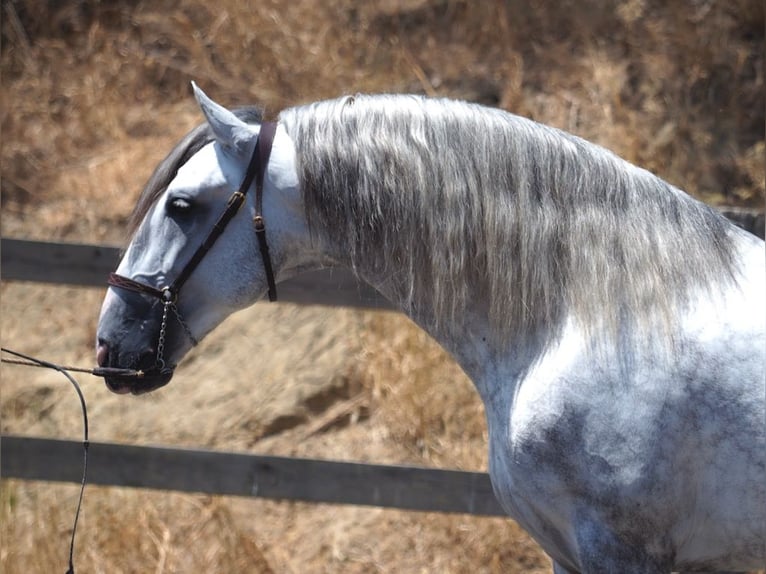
[147,358]
[102,354]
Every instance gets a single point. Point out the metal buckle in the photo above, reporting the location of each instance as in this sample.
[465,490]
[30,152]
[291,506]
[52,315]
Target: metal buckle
[258,222]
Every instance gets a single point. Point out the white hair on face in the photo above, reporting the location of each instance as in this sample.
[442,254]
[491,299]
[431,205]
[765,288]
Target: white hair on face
[448,201]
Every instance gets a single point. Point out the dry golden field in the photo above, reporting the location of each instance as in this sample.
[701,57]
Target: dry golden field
[95,93]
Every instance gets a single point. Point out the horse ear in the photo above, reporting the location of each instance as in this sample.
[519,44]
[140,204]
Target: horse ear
[229,131]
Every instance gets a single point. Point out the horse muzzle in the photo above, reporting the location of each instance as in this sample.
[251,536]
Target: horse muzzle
[144,374]
[139,384]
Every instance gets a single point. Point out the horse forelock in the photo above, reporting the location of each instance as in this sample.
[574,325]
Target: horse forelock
[451,203]
[167,169]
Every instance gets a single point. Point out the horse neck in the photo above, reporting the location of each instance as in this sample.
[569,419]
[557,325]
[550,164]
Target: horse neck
[484,355]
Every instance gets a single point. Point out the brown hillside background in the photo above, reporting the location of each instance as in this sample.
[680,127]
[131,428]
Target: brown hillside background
[94,94]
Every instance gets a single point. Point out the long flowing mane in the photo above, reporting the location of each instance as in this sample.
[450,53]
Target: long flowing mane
[448,201]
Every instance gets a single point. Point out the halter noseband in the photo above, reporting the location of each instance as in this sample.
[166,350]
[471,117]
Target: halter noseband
[256,170]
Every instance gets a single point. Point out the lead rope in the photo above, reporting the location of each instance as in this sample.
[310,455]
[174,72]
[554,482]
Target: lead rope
[31,361]
[168,304]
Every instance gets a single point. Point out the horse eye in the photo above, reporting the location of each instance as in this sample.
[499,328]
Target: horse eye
[179,205]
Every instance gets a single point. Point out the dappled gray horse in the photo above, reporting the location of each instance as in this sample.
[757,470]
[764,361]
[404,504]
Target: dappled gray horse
[613,326]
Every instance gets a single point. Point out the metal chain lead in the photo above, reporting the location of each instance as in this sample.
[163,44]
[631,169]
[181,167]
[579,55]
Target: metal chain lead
[168,302]
[183,324]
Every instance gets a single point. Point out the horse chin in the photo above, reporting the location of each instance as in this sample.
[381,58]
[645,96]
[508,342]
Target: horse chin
[139,385]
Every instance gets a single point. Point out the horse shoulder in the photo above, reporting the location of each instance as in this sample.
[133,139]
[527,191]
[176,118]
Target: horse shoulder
[644,450]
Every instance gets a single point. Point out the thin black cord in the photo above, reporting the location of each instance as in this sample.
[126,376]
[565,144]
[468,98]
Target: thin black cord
[26,361]
[85,440]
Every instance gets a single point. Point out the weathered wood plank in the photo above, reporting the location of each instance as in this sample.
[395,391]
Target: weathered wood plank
[751,220]
[239,474]
[66,263]
[89,265]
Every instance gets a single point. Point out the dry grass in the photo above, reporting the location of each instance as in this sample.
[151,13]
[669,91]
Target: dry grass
[94,93]
[676,87]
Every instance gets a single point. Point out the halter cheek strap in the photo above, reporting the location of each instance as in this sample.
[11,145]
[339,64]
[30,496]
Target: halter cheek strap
[263,151]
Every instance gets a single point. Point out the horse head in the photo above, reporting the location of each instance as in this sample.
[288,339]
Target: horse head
[151,316]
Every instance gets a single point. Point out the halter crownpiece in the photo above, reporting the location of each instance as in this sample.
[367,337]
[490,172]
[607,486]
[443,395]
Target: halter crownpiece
[256,171]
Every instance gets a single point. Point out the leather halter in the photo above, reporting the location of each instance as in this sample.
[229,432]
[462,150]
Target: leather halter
[256,170]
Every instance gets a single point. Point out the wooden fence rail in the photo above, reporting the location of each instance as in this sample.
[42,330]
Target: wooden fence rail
[239,474]
[89,266]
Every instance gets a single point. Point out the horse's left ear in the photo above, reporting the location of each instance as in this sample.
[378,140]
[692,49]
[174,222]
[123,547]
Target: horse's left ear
[231,132]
